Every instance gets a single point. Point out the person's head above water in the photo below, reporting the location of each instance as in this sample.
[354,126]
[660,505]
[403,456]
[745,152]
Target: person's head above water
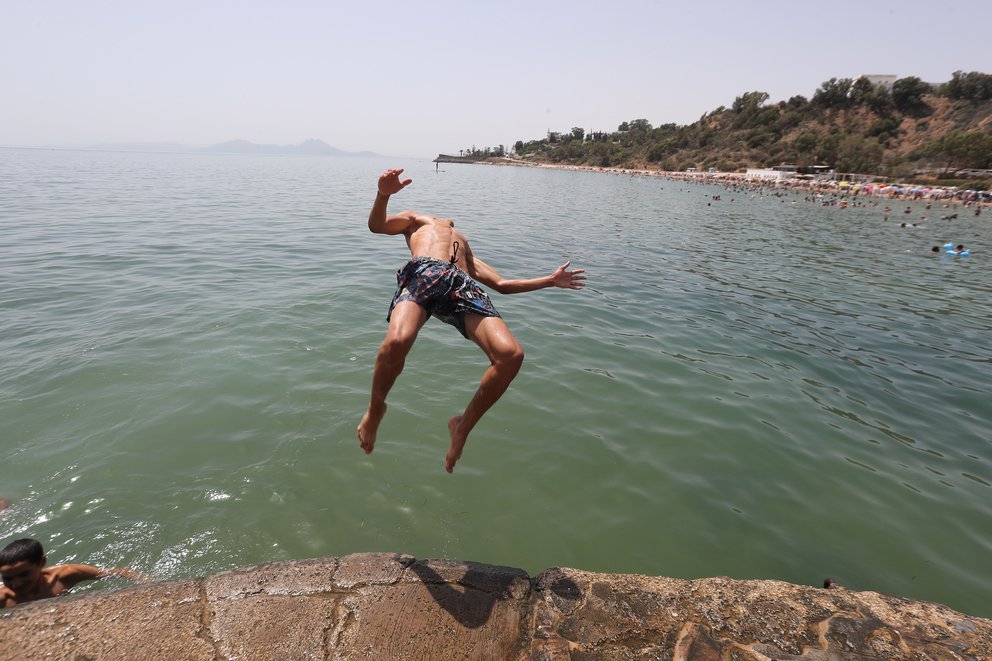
[21,564]
[22,550]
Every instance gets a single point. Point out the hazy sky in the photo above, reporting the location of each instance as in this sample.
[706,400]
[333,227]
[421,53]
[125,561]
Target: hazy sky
[419,78]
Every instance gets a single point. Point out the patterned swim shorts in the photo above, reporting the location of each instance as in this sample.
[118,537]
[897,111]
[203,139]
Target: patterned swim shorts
[443,289]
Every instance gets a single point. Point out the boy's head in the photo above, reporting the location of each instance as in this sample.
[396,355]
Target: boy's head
[27,549]
[21,563]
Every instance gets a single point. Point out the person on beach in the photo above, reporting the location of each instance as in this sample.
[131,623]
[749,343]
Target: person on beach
[442,279]
[25,577]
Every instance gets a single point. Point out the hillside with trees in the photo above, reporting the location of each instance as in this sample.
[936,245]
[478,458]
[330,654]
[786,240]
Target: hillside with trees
[849,125]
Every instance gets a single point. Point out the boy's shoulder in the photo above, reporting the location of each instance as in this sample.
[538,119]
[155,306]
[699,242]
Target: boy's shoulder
[57,579]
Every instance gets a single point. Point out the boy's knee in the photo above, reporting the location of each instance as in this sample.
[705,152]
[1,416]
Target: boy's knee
[396,346]
[512,356]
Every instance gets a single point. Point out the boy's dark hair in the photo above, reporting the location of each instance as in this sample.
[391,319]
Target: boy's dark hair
[26,549]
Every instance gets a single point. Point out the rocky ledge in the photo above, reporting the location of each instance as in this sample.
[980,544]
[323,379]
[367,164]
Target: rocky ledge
[389,606]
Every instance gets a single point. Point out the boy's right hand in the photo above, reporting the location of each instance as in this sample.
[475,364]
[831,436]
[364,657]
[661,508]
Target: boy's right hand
[389,182]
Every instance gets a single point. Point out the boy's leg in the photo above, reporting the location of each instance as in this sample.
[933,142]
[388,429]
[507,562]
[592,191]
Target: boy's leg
[405,322]
[505,358]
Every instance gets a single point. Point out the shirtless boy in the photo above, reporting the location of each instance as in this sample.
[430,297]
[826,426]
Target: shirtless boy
[25,577]
[442,279]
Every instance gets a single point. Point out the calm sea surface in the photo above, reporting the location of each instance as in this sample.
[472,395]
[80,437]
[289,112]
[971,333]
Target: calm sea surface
[756,387]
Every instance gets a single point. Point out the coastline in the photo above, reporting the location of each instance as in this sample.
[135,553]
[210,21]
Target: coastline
[903,191]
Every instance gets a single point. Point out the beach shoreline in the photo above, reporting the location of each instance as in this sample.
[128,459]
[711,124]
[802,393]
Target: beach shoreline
[894,191]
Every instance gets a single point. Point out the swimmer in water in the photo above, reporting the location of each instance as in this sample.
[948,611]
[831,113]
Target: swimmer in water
[26,578]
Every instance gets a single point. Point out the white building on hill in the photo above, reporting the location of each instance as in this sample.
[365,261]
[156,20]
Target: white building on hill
[885,80]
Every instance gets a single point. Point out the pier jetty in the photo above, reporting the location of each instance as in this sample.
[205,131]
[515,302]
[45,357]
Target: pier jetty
[446,158]
[393,606]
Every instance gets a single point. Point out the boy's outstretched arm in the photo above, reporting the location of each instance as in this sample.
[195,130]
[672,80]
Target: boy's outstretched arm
[123,572]
[562,278]
[389,184]
[70,575]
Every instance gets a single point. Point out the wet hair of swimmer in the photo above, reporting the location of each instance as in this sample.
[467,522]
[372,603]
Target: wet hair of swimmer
[27,550]
[959,248]
[935,249]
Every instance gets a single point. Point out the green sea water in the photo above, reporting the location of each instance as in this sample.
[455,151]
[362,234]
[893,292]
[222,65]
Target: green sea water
[754,387]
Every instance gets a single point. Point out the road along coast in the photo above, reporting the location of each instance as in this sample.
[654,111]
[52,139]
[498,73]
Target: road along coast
[393,606]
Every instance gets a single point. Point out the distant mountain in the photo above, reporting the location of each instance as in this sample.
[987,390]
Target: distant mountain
[310,147]
[307,147]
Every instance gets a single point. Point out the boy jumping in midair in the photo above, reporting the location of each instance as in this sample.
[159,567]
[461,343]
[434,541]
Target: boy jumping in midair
[442,279]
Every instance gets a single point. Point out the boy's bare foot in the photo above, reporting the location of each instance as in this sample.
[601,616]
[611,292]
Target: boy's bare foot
[368,427]
[457,443]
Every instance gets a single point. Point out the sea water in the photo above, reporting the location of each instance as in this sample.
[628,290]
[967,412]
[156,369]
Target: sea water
[753,386]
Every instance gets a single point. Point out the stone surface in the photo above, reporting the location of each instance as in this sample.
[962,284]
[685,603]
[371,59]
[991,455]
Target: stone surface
[160,621]
[287,578]
[391,606]
[273,627]
[581,615]
[371,569]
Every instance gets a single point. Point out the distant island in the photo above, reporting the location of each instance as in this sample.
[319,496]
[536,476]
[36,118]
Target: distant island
[307,147]
[311,147]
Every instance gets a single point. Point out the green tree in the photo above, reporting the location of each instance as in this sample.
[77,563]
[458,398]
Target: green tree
[827,147]
[759,137]
[749,102]
[747,110]
[832,93]
[885,129]
[599,154]
[880,101]
[964,149]
[857,154]
[860,90]
[805,142]
[907,95]
[971,86]
[657,152]
[664,131]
